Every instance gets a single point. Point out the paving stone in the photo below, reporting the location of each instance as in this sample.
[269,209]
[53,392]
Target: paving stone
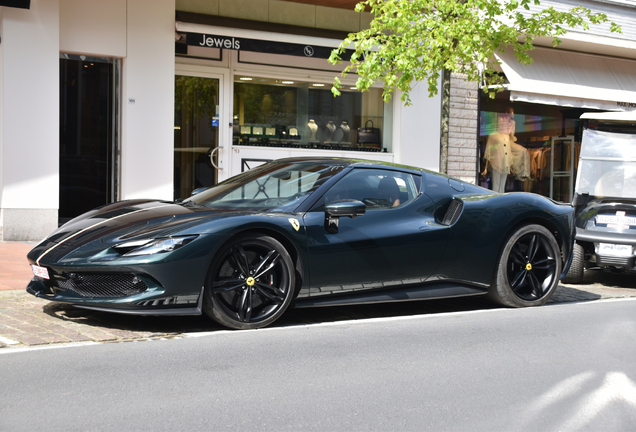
[32,340]
[52,337]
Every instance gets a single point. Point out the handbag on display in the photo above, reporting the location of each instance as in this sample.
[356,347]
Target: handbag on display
[368,135]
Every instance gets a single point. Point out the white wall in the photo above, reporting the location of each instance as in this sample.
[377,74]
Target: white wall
[416,136]
[93,27]
[148,79]
[29,137]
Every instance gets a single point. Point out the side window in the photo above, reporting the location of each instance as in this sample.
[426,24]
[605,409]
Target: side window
[378,189]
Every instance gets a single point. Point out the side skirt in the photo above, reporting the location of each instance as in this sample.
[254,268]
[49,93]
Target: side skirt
[170,312]
[408,293]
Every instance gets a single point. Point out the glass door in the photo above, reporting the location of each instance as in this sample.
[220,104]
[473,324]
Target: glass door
[197,139]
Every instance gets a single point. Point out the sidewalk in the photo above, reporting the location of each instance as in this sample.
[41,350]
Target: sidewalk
[26,320]
[15,271]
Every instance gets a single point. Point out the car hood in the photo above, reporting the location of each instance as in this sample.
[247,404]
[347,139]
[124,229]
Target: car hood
[124,221]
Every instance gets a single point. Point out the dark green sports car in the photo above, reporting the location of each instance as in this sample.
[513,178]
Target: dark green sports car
[307,232]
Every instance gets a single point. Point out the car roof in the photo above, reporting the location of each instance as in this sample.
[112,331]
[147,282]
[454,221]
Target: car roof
[350,162]
[611,116]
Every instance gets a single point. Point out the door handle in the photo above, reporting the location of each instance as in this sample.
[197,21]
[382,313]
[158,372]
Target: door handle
[212,158]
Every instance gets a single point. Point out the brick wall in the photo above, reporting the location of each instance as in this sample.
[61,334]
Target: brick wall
[462,131]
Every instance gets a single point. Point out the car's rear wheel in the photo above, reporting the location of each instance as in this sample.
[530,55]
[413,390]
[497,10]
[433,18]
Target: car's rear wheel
[529,268]
[575,273]
[250,283]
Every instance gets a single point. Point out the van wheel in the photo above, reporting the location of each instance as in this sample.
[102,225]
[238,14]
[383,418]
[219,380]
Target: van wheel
[575,274]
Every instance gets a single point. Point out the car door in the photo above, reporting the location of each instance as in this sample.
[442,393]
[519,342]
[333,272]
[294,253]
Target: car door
[395,242]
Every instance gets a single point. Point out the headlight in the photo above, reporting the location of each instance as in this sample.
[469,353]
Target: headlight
[152,246]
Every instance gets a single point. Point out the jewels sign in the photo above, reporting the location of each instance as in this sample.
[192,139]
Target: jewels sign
[262,46]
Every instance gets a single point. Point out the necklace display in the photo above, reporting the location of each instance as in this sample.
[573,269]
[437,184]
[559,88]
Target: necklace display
[313,128]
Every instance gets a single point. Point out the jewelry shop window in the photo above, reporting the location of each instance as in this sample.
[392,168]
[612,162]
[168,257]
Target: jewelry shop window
[287,113]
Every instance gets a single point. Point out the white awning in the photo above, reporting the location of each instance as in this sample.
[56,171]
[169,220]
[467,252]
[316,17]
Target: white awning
[567,78]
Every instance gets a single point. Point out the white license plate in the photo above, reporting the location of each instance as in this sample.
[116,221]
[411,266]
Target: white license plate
[40,272]
[614,249]
[615,220]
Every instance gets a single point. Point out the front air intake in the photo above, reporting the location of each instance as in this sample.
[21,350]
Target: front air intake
[101,285]
[453,212]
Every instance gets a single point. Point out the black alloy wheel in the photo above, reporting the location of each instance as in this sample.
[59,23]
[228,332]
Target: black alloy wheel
[250,284]
[529,268]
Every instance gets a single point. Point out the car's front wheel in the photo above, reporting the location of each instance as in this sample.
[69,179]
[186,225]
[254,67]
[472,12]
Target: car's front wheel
[250,283]
[529,268]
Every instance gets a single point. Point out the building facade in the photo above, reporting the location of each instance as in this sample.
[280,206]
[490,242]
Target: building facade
[529,135]
[103,101]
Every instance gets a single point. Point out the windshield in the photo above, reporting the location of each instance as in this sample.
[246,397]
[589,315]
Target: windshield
[273,187]
[607,166]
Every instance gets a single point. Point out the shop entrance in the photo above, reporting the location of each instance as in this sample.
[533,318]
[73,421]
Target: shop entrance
[88,108]
[197,137]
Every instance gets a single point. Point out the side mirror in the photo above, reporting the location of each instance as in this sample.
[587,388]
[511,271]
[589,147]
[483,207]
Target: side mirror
[345,208]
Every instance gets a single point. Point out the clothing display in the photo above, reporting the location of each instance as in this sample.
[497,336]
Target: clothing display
[499,156]
[520,162]
[533,142]
[499,152]
[499,181]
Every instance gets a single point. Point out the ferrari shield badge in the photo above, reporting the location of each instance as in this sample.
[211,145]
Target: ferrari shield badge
[294,223]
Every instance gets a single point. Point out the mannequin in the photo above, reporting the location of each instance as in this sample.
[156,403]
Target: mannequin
[328,131]
[345,129]
[313,128]
[498,152]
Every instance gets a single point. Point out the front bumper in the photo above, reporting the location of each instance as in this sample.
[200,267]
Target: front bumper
[583,235]
[134,287]
[597,237]
[149,302]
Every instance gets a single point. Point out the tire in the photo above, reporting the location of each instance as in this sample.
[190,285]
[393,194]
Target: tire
[529,268]
[575,273]
[250,283]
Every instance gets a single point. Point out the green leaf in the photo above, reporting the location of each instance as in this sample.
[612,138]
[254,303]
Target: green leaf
[413,40]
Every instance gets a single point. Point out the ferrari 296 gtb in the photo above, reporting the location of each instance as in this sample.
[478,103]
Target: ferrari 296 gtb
[307,232]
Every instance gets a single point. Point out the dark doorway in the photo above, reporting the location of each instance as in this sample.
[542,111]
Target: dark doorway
[87,112]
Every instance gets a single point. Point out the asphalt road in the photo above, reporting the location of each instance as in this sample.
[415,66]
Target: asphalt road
[563,367]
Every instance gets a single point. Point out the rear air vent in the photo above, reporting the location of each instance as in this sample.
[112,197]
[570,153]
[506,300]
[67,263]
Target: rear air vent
[453,212]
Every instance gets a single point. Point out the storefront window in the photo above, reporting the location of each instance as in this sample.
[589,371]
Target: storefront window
[528,147]
[287,113]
